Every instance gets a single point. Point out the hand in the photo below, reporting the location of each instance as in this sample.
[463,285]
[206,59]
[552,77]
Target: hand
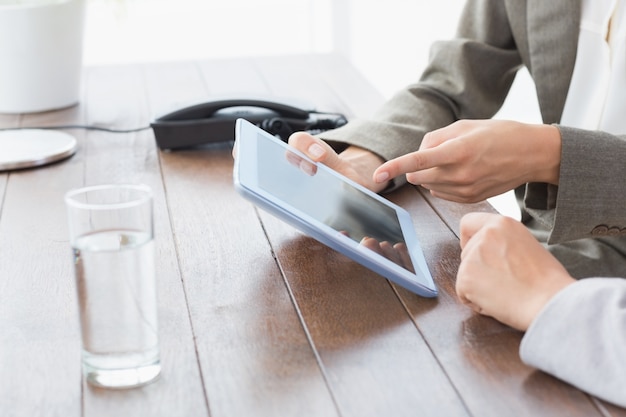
[505,273]
[471,160]
[355,163]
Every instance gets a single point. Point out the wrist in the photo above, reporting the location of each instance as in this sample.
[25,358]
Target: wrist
[548,153]
[364,162]
[552,284]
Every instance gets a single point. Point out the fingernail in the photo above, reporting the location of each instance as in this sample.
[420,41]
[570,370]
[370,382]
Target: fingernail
[307,168]
[382,177]
[316,150]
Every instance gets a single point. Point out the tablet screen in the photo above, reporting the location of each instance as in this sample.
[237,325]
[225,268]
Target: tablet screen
[331,201]
[330,208]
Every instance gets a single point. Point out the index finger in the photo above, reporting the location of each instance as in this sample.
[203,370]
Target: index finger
[411,162]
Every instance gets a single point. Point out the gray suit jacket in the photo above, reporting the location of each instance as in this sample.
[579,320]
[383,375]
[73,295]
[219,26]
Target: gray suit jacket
[469,77]
[582,221]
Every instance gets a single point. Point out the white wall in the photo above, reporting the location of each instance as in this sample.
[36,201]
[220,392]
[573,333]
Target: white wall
[157,30]
[388,41]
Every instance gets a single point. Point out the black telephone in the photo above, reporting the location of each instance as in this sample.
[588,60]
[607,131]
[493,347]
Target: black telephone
[214,121]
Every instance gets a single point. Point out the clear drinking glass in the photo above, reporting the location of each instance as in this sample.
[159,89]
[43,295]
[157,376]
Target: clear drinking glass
[111,234]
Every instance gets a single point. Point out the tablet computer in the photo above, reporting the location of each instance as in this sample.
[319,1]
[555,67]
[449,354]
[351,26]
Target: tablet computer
[330,208]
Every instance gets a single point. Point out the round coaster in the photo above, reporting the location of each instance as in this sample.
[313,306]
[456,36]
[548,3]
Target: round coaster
[27,148]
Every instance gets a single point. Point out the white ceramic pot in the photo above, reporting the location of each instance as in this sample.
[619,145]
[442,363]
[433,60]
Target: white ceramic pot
[41,45]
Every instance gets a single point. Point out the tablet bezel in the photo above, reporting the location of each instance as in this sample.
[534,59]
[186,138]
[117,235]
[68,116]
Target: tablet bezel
[247,137]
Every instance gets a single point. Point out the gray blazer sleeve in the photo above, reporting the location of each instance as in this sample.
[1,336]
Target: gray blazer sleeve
[591,198]
[456,84]
[580,337]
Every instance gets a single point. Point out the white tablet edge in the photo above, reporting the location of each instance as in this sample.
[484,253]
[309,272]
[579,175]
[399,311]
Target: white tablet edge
[420,283]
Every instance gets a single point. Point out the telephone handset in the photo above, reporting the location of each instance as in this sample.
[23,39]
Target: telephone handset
[214,121]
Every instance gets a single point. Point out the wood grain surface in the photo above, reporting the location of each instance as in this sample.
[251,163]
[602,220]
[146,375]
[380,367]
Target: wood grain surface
[255,318]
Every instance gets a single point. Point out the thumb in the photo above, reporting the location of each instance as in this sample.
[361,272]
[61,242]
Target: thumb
[471,223]
[314,148]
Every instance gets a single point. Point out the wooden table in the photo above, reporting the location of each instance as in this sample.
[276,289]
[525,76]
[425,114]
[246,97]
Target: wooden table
[256,319]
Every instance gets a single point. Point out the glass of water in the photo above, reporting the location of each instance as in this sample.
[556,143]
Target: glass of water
[112,239]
